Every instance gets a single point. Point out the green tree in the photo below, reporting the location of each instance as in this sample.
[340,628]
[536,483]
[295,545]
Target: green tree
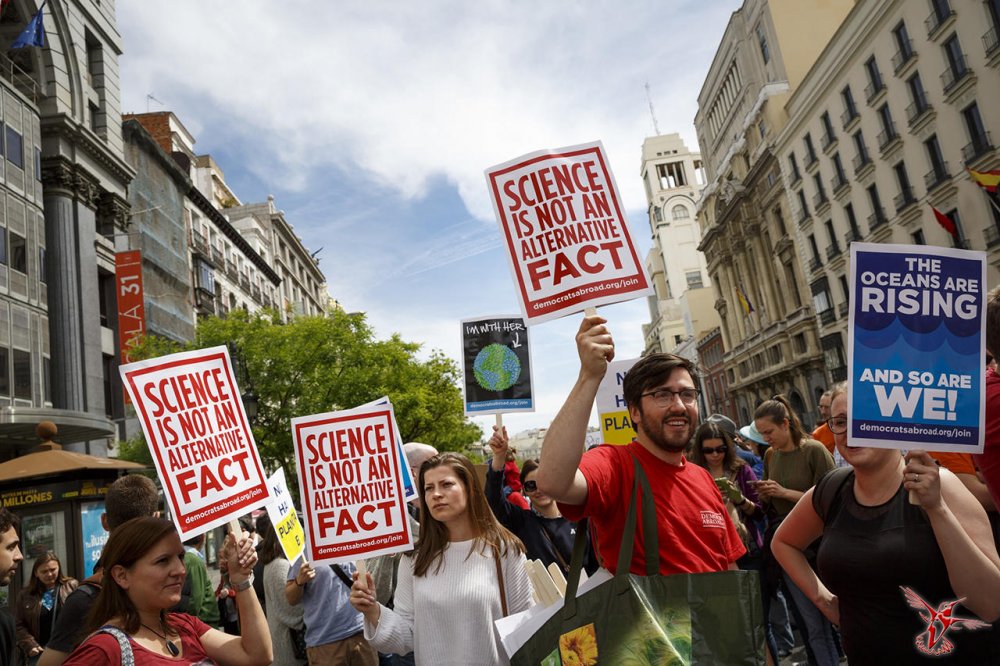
[324,363]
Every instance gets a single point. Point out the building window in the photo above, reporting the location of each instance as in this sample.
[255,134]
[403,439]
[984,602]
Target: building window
[38,165]
[779,220]
[657,214]
[878,214]
[979,139]
[853,233]
[810,149]
[918,237]
[861,158]
[3,246]
[888,133]
[762,41]
[820,198]
[903,181]
[850,108]
[793,165]
[671,175]
[839,177]
[957,67]
[875,84]
[15,148]
[803,207]
[694,279]
[939,169]
[18,253]
[206,278]
[22,374]
[41,265]
[4,371]
[904,46]
[680,212]
[814,249]
[918,98]
[844,288]
[828,134]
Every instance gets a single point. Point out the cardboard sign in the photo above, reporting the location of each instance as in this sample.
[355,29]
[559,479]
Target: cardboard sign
[916,348]
[351,484]
[496,361]
[561,217]
[284,518]
[616,426]
[192,416]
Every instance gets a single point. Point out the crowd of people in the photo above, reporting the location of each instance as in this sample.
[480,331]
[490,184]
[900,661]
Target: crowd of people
[873,555]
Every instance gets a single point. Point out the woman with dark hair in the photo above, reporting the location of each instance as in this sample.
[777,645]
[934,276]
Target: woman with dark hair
[793,464]
[466,572]
[282,618]
[38,605]
[546,535]
[143,574]
[903,539]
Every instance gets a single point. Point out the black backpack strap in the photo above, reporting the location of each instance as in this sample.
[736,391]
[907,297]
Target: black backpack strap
[828,490]
[342,575]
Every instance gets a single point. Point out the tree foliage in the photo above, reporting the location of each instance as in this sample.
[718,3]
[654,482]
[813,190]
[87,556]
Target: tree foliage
[323,363]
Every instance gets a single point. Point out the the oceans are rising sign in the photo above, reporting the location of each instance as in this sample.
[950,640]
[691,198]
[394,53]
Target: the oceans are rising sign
[350,483]
[496,360]
[561,217]
[193,419]
[916,347]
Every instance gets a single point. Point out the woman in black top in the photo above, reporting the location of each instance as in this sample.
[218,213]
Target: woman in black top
[890,569]
[547,536]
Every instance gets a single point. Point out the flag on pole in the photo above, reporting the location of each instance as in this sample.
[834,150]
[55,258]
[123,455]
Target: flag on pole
[946,222]
[988,180]
[744,301]
[33,34]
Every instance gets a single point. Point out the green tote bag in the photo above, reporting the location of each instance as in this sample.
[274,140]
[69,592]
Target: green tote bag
[711,619]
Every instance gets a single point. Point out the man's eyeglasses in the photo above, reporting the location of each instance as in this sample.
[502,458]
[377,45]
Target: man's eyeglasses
[837,425]
[530,486]
[663,397]
[718,449]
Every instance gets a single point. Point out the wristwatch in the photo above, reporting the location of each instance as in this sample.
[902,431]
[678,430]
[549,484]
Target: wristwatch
[245,585]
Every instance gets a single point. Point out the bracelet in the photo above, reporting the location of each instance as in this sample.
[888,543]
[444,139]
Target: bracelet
[245,584]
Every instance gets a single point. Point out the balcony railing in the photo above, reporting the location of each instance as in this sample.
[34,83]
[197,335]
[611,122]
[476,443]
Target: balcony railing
[876,219]
[903,199]
[815,264]
[917,109]
[873,89]
[200,243]
[852,236]
[832,251]
[828,316]
[848,116]
[954,75]
[20,79]
[796,177]
[903,55]
[827,140]
[861,160]
[819,199]
[936,20]
[991,41]
[887,136]
[936,176]
[979,146]
[217,257]
[803,214]
[811,160]
[844,308]
[992,235]
[837,183]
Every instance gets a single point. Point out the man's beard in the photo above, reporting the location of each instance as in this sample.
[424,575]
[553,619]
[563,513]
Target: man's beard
[654,432]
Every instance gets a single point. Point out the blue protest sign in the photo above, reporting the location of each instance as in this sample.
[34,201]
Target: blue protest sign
[916,347]
[496,363]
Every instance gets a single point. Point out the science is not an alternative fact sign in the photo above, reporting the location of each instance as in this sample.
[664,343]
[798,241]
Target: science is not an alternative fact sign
[916,347]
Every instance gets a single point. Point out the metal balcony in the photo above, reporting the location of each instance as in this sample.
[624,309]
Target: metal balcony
[936,176]
[903,56]
[979,146]
[952,76]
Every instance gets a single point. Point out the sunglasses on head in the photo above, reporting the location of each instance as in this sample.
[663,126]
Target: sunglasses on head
[719,449]
[530,486]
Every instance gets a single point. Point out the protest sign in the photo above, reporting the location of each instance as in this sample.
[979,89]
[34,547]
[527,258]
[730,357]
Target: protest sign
[616,426]
[567,239]
[351,484]
[496,361]
[284,517]
[193,419]
[411,490]
[916,359]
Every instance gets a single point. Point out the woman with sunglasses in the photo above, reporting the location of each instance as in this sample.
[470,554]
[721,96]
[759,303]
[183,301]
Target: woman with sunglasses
[546,535]
[903,540]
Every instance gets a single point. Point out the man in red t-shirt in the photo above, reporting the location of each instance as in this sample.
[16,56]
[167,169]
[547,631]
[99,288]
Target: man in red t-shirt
[696,534]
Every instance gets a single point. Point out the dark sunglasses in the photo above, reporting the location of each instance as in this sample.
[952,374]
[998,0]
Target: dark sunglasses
[719,449]
[530,486]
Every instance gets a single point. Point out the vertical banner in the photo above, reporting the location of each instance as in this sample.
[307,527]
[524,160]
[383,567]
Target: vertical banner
[284,518]
[93,533]
[351,484]
[916,347]
[131,309]
[567,239]
[616,427]
[192,416]
[496,363]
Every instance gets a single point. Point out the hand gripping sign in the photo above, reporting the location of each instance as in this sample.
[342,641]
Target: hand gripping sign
[561,217]
[351,485]
[193,419]
[284,517]
[916,360]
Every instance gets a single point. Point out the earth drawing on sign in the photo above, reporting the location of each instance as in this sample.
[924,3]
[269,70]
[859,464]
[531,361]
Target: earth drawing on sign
[496,367]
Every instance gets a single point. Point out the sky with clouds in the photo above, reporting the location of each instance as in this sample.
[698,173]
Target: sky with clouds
[372,123]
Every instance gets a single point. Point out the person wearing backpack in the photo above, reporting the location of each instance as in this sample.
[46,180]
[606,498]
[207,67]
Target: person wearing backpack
[893,573]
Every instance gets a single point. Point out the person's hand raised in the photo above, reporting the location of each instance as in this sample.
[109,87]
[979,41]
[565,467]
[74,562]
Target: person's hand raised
[595,347]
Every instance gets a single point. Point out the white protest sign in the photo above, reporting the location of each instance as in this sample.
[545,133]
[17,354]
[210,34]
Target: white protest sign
[616,427]
[564,227]
[192,416]
[284,517]
[351,484]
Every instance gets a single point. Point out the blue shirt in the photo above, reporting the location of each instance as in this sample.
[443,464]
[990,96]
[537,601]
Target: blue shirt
[329,615]
[756,462]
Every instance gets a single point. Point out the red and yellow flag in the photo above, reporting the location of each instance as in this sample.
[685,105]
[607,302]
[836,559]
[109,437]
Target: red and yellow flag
[988,180]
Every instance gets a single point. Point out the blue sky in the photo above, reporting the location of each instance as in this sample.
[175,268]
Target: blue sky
[371,124]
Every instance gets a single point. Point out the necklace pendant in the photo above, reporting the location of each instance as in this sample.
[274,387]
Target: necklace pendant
[172,648]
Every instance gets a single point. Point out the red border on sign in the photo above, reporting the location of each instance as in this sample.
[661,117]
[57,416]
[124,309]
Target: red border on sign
[344,549]
[529,303]
[233,509]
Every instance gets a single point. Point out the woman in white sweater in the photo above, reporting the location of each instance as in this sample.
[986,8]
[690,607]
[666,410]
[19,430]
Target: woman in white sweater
[466,572]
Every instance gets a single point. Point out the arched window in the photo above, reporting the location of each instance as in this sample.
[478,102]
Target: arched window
[680,212]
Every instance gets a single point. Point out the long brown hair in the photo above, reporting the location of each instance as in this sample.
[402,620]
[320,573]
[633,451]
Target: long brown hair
[708,430]
[35,587]
[434,534]
[127,544]
[777,409]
